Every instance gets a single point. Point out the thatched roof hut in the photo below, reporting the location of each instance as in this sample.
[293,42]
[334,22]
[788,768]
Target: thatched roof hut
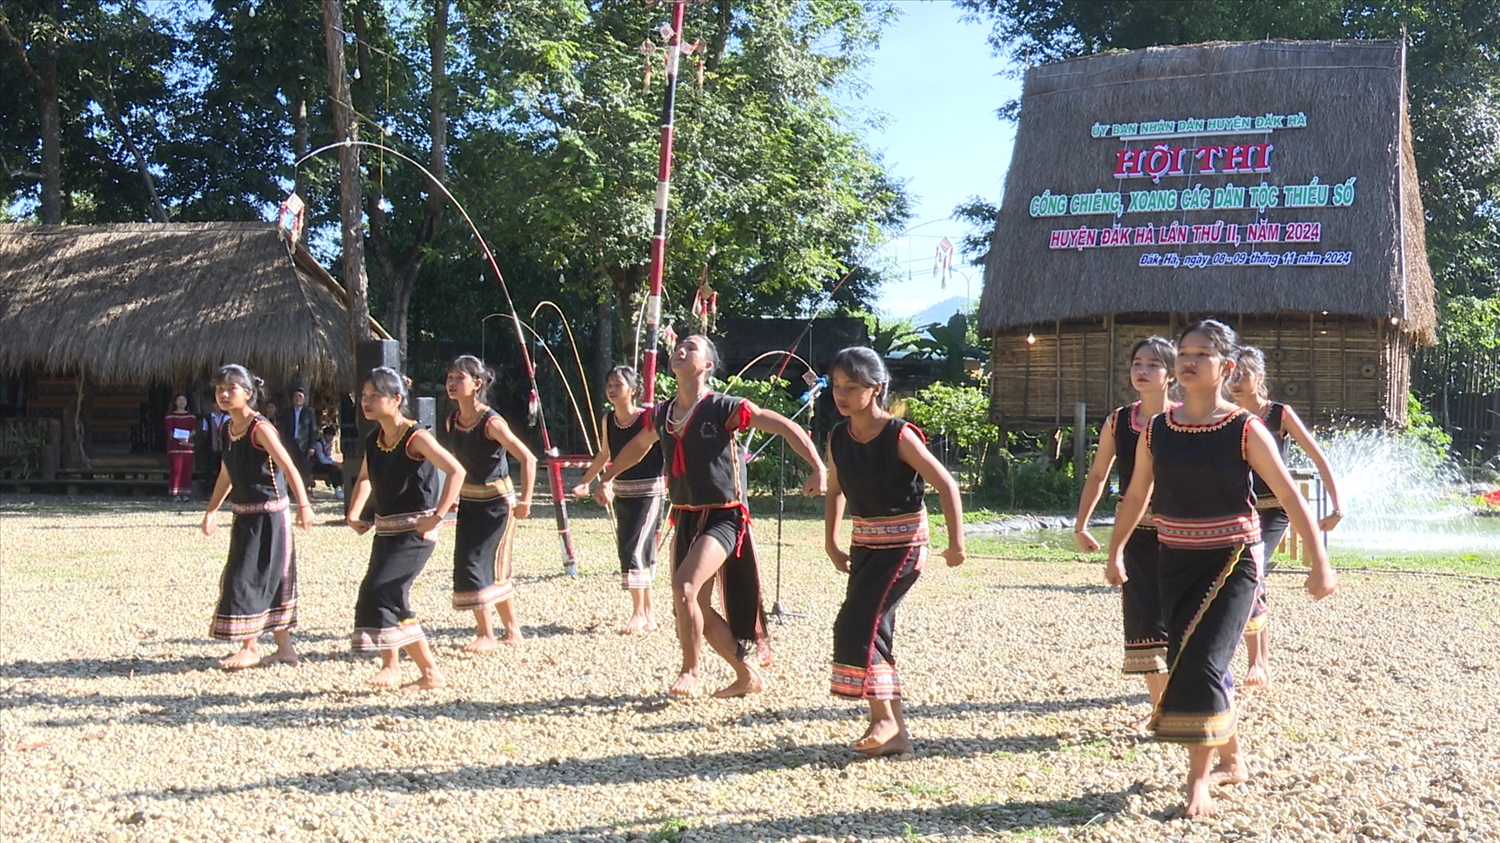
[142,303]
[1269,183]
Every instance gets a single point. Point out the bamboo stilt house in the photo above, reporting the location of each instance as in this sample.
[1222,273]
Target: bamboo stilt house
[1270,185]
[100,324]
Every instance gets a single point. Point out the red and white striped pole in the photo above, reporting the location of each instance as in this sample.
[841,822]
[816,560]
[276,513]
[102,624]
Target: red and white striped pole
[663,189]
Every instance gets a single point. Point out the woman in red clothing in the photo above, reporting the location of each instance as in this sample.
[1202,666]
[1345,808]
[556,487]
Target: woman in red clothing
[180,425]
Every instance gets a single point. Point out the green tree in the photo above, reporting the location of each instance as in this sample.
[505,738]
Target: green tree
[772,190]
[259,90]
[81,138]
[954,344]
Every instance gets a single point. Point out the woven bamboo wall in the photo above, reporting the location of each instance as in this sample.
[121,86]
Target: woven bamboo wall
[1332,369]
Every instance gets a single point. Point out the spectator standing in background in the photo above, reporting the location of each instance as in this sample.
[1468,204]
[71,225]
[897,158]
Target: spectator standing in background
[180,424]
[299,430]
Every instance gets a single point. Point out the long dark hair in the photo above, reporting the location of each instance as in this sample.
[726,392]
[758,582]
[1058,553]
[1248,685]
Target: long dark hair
[236,375]
[631,378]
[864,365]
[392,384]
[474,367]
[1224,341]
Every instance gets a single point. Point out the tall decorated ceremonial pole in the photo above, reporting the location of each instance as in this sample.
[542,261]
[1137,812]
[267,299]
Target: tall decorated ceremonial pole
[663,189]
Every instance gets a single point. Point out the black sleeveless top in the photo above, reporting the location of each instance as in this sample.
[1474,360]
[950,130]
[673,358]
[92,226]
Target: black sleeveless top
[705,463]
[256,477]
[650,466]
[1126,437]
[872,476]
[483,458]
[885,494]
[1202,497]
[402,488]
[1274,415]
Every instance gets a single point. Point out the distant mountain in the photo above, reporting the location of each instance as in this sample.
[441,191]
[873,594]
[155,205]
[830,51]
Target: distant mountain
[940,312]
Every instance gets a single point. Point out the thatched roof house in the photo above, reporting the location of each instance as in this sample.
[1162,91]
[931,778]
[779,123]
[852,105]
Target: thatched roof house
[145,303]
[1271,184]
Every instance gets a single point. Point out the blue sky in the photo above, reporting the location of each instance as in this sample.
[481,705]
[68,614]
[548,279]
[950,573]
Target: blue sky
[938,84]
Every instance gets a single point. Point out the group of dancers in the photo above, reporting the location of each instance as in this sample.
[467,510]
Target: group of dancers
[1205,500]
[1192,572]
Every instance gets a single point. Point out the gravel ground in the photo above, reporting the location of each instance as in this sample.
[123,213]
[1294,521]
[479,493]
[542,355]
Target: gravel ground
[117,726]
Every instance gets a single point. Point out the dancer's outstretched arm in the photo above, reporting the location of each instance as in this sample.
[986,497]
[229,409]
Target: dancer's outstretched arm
[913,451]
[1132,507]
[833,515]
[1309,445]
[629,455]
[770,421]
[1265,460]
[1093,487]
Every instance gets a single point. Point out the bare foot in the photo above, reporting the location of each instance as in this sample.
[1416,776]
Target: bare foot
[749,683]
[482,644]
[280,657]
[685,686]
[513,638]
[427,682]
[1142,725]
[1200,800]
[882,742]
[1231,770]
[637,625]
[1257,677]
[387,677]
[248,657]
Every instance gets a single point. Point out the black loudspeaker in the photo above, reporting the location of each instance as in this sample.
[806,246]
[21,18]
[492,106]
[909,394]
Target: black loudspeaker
[426,410]
[368,355]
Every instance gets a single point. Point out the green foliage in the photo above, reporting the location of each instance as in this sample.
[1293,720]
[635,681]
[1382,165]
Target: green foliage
[770,394]
[114,88]
[1423,431]
[887,336]
[960,416]
[980,214]
[1034,485]
[552,143]
[952,343]
[958,413]
[24,441]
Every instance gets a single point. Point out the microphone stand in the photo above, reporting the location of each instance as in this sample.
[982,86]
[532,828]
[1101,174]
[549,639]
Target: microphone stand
[777,607]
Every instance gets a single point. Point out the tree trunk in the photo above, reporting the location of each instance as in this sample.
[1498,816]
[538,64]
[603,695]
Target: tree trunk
[627,282]
[51,119]
[112,112]
[346,129]
[401,276]
[44,75]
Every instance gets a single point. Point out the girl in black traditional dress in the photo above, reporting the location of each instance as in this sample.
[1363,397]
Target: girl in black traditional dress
[258,589]
[1247,386]
[400,471]
[879,464]
[1151,364]
[638,494]
[705,479]
[487,505]
[1193,466]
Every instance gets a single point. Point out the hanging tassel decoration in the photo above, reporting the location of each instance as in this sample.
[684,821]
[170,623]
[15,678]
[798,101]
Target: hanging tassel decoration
[290,217]
[646,49]
[942,260]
